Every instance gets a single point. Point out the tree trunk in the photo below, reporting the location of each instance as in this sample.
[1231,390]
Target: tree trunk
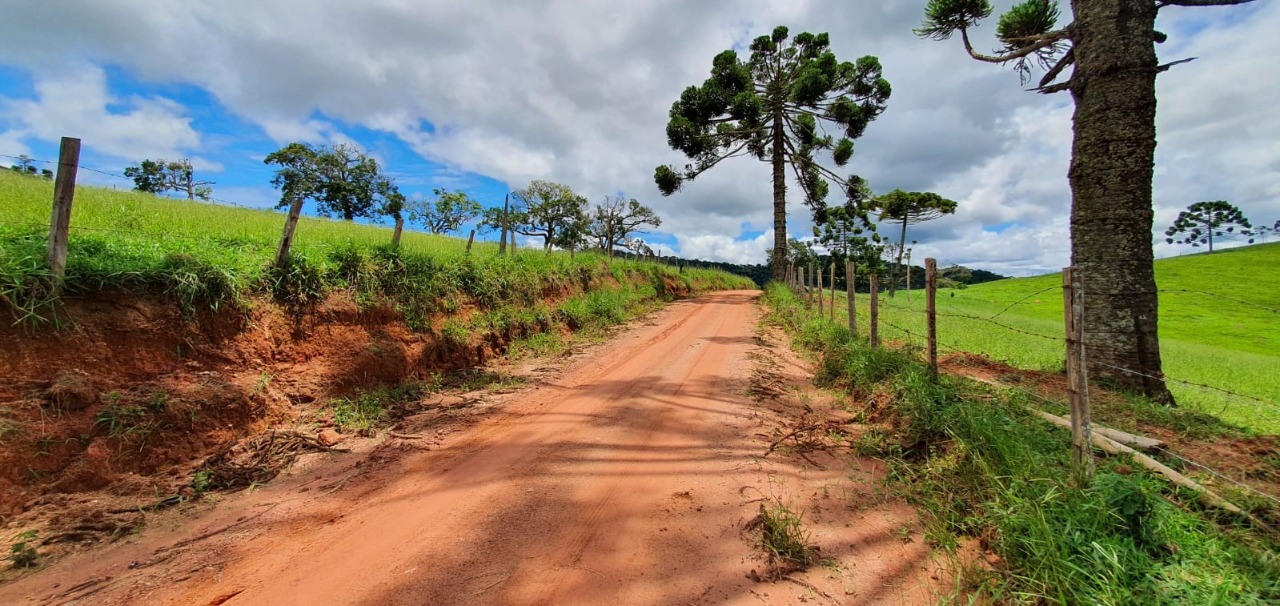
[893,273]
[779,261]
[1112,159]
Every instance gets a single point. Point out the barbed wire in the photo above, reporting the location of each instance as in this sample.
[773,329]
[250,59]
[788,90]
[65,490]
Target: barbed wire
[1185,382]
[1216,295]
[1015,303]
[1045,400]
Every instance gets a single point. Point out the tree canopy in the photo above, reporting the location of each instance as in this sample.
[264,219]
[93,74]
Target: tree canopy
[343,181]
[1204,221]
[447,212]
[160,176]
[777,106]
[544,209]
[908,208]
[615,220]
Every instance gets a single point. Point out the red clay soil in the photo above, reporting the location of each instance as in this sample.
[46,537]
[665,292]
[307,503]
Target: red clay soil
[630,478]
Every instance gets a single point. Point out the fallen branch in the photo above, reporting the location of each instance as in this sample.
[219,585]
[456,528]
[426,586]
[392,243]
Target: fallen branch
[1113,447]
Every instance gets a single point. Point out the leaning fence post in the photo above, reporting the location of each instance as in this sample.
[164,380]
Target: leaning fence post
[833,291]
[64,192]
[395,236]
[286,239]
[502,234]
[931,313]
[471,238]
[875,311]
[849,286]
[1077,379]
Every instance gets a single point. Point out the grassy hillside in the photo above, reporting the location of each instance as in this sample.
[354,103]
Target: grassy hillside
[211,255]
[1217,327]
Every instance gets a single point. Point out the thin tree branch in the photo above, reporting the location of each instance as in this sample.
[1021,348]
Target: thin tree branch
[1166,66]
[1067,59]
[1044,41]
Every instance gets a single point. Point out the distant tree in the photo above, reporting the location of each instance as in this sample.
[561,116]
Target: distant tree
[1204,221]
[447,212]
[160,176]
[616,219]
[574,235]
[25,166]
[771,107]
[543,209]
[342,180]
[46,174]
[850,237]
[1110,48]
[639,248]
[909,208]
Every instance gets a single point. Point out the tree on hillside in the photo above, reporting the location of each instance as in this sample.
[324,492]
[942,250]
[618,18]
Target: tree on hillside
[1110,48]
[543,208]
[775,107]
[908,208]
[27,166]
[616,219]
[342,180]
[160,176]
[1204,221]
[446,213]
[849,237]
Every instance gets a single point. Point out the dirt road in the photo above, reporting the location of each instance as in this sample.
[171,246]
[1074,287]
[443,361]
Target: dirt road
[627,479]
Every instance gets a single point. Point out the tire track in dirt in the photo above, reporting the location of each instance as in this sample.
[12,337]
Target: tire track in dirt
[620,483]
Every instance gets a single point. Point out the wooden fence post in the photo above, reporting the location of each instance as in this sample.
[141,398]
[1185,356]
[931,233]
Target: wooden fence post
[471,238]
[805,286]
[818,292]
[64,192]
[1077,379]
[502,236]
[512,246]
[833,291]
[286,239]
[395,235]
[849,288]
[931,313]
[875,311]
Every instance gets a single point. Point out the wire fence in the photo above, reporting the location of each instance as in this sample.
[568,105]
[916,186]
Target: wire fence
[918,337]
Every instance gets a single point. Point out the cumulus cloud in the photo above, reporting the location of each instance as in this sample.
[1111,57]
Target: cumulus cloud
[579,92]
[77,101]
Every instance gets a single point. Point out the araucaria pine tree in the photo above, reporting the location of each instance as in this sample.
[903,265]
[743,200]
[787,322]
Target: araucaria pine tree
[1204,221]
[775,106]
[1110,47]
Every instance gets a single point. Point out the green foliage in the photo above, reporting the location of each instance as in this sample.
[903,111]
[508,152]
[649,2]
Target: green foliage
[615,220]
[1204,338]
[209,256]
[362,413]
[783,537]
[942,18]
[446,213]
[976,464]
[159,176]
[1204,221]
[770,107]
[551,211]
[22,553]
[343,180]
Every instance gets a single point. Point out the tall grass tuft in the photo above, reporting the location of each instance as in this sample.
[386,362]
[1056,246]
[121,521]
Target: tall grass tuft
[979,466]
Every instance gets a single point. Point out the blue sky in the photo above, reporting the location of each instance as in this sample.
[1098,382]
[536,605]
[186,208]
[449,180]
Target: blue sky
[486,96]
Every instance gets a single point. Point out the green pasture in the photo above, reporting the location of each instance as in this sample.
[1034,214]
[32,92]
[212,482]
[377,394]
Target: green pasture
[1218,327]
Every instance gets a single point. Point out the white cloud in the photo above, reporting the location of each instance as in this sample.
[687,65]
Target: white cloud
[578,93]
[76,102]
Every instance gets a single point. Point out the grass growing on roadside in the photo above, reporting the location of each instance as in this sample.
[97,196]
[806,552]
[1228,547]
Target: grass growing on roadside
[1204,338]
[207,255]
[977,465]
[783,537]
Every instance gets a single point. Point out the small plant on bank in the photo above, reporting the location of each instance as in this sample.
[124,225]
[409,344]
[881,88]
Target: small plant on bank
[22,553]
